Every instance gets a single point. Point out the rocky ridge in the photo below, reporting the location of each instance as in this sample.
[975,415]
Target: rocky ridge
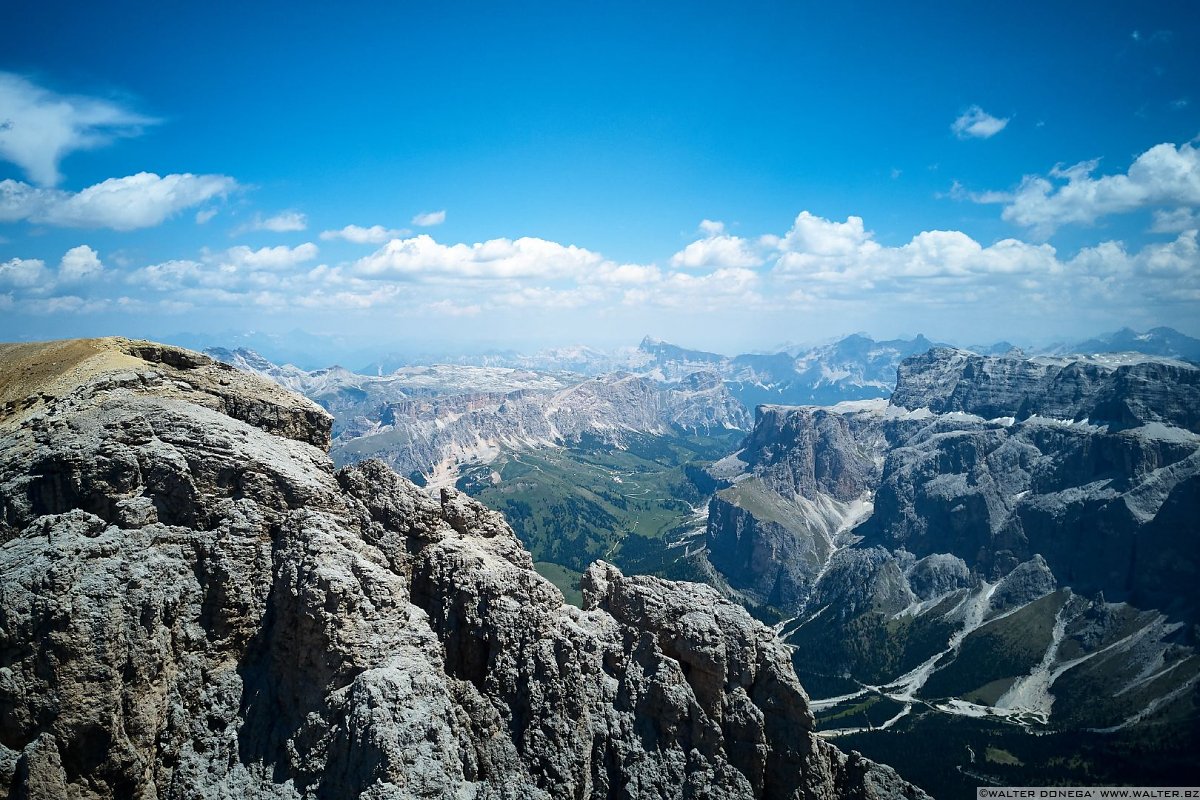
[432,421]
[1008,537]
[196,604]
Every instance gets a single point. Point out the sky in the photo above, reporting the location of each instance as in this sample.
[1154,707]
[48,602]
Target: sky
[728,176]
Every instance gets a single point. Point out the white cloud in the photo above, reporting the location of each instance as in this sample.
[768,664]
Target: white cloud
[1164,175]
[818,236]
[846,254]
[204,215]
[528,257]
[136,201]
[283,222]
[975,123]
[835,269]
[625,274]
[428,219]
[721,289]
[70,304]
[385,295]
[271,258]
[1164,272]
[172,275]
[1175,221]
[376,234]
[236,272]
[22,272]
[80,263]
[38,127]
[716,249]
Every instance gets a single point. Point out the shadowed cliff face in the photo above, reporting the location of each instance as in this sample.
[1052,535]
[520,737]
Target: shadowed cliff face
[1007,537]
[195,604]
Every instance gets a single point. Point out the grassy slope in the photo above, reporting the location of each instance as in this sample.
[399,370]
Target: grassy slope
[572,505]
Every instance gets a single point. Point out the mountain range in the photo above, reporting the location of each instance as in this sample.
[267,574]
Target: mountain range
[982,568]
[1006,541]
[971,540]
[197,604]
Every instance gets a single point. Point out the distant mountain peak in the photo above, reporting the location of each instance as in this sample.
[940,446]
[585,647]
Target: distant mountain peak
[1159,341]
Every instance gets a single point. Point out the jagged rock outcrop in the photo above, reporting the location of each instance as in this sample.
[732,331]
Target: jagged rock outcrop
[803,451]
[1025,547]
[195,604]
[806,477]
[1102,390]
[994,460]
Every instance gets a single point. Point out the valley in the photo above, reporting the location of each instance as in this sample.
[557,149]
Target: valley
[637,506]
[927,550]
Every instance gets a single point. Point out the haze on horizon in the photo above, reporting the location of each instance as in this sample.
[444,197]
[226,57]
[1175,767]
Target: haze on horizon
[485,176]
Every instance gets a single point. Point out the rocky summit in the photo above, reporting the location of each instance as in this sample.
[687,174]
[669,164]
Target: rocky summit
[195,604]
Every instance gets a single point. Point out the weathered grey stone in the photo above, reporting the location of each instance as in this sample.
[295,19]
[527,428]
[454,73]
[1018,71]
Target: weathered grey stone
[195,605]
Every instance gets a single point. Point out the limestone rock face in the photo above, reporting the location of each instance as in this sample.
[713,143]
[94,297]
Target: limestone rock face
[806,474]
[1106,390]
[803,451]
[908,544]
[195,604]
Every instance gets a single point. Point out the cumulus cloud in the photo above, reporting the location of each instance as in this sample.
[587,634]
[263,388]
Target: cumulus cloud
[283,222]
[423,257]
[817,236]
[171,275]
[271,258]
[845,253]
[22,272]
[720,289]
[38,127]
[80,263]
[230,276]
[834,267]
[65,304]
[625,274]
[356,234]
[361,299]
[1164,175]
[136,201]
[716,249]
[1175,221]
[975,123]
[428,219]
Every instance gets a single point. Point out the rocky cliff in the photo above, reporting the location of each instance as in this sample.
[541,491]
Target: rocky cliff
[195,604]
[1007,538]
[1120,390]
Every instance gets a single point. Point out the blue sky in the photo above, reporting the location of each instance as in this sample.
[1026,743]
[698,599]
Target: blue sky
[474,174]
